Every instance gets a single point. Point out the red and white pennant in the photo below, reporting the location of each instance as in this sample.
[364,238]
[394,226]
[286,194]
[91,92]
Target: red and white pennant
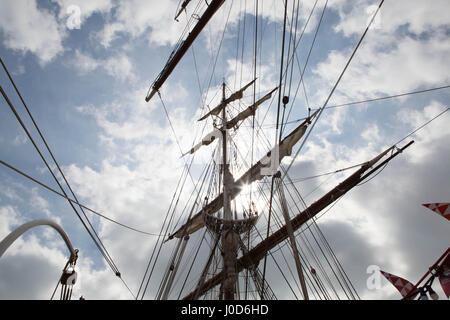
[404,286]
[442,209]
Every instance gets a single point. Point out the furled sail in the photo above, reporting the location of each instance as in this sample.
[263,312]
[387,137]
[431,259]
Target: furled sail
[207,140]
[249,111]
[255,173]
[235,96]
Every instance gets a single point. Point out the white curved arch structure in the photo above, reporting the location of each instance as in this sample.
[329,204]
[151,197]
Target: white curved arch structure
[6,242]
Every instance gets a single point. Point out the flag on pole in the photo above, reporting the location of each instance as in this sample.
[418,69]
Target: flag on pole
[442,209]
[404,286]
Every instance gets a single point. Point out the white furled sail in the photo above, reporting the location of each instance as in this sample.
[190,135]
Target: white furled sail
[235,96]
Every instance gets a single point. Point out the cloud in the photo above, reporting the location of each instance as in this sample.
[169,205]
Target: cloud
[431,137]
[119,67]
[355,16]
[20,139]
[9,218]
[139,17]
[383,222]
[27,28]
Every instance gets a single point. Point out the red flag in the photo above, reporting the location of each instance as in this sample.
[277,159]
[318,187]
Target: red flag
[444,275]
[404,286]
[442,209]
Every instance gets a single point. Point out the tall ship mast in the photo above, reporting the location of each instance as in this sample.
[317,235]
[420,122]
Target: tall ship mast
[230,235]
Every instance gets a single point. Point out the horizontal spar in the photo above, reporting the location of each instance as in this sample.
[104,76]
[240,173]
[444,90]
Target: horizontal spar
[176,56]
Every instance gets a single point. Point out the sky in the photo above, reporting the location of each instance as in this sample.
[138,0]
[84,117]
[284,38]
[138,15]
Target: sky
[84,68]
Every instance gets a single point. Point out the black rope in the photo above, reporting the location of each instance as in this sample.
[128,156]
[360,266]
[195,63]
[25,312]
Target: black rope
[307,59]
[336,84]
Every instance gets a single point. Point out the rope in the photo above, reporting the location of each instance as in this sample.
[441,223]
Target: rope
[308,57]
[386,97]
[422,126]
[366,101]
[335,85]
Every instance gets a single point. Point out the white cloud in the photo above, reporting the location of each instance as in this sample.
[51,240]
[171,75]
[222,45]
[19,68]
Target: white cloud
[108,33]
[27,28]
[372,133]
[141,17]
[133,184]
[43,206]
[9,218]
[20,139]
[85,63]
[119,67]
[431,137]
[355,15]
